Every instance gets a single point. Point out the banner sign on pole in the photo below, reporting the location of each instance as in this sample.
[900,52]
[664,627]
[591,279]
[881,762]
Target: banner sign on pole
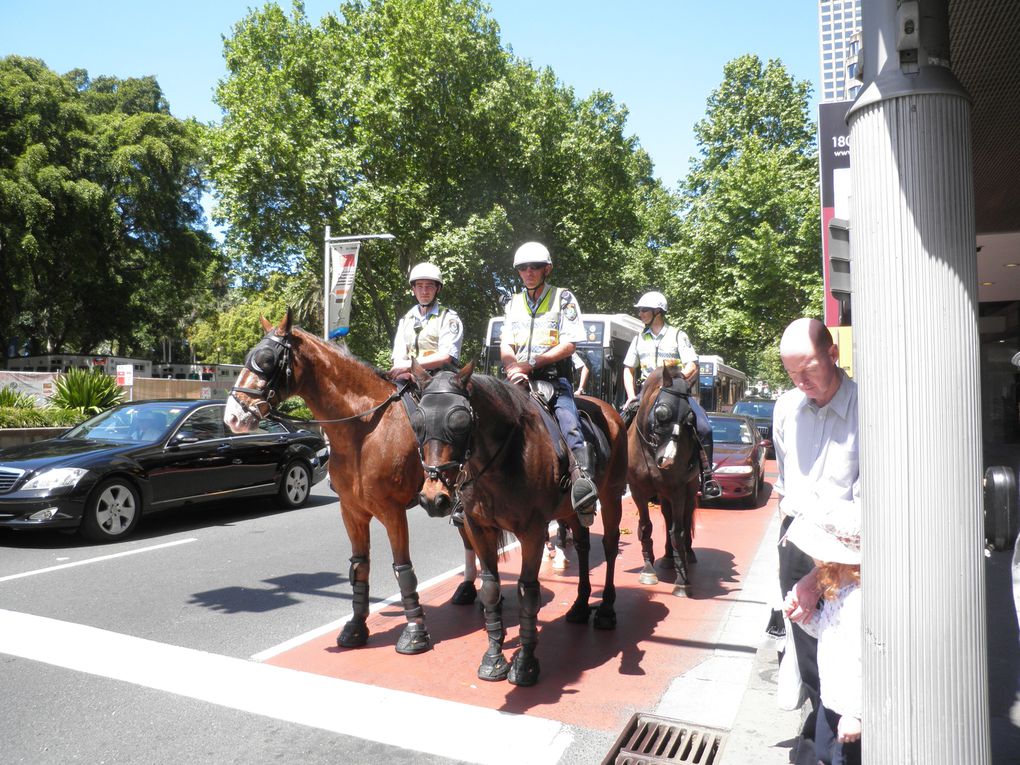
[343,262]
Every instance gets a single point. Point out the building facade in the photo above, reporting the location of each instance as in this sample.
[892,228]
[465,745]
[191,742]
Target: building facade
[839,26]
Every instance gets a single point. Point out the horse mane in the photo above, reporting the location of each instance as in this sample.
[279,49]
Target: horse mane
[343,351]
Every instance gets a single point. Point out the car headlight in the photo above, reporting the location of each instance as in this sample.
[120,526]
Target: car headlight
[734,470]
[57,478]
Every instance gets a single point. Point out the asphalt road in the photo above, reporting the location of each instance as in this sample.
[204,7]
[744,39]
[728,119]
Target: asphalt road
[232,579]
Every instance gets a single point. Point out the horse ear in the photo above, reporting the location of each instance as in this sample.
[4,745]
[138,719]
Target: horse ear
[285,324]
[419,372]
[464,375]
[266,324]
[667,378]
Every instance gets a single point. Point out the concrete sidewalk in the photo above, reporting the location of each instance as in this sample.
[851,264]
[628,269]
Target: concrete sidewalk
[735,688]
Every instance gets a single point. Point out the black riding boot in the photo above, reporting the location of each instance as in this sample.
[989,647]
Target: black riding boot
[583,492]
[710,488]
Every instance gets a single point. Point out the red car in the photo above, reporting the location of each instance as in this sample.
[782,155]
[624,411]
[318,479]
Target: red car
[739,457]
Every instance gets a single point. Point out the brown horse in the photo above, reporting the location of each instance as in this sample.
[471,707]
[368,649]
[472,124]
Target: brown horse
[664,463]
[487,443]
[373,461]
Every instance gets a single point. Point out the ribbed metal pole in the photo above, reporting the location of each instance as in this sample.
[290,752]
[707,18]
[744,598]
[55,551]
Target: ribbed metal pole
[917,358]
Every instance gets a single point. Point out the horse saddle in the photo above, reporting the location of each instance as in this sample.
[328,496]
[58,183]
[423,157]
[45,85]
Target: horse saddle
[545,394]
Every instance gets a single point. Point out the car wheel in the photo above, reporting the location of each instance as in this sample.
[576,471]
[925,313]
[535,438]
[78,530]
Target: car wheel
[751,500]
[296,484]
[112,511]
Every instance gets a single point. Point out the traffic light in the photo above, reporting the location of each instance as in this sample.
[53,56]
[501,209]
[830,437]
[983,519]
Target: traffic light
[840,283]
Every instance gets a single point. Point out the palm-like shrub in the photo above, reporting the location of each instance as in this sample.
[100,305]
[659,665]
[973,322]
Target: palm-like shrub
[86,391]
[13,398]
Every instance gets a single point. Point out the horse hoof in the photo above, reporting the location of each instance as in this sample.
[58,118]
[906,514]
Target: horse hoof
[605,619]
[465,594]
[561,561]
[665,563]
[680,591]
[353,635]
[648,575]
[493,668]
[414,639]
[578,613]
[523,669]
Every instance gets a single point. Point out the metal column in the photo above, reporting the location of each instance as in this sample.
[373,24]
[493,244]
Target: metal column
[916,353]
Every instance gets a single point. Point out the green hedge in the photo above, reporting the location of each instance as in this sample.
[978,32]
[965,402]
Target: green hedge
[50,417]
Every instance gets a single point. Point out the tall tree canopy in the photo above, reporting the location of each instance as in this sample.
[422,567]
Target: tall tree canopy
[102,237]
[408,116]
[748,258]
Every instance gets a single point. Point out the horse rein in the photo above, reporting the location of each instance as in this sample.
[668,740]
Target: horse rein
[282,366]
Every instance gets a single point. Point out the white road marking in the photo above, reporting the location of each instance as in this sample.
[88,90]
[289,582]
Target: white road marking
[390,717]
[303,638]
[97,560]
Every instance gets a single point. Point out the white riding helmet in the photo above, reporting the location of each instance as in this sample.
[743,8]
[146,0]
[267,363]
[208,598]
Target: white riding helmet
[532,252]
[425,271]
[653,300]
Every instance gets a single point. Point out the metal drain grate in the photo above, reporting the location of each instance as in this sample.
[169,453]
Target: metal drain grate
[651,740]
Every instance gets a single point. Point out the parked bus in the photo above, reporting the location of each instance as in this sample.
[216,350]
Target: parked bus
[721,386]
[607,337]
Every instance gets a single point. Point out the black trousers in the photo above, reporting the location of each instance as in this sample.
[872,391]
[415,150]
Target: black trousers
[794,564]
[827,749]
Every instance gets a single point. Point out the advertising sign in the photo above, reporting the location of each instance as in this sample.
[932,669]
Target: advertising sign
[343,264]
[834,180]
[125,375]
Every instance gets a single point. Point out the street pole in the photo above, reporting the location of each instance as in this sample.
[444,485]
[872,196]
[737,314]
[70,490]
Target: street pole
[915,307]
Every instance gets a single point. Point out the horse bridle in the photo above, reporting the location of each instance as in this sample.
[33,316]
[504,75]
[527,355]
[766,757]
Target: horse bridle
[446,417]
[665,419]
[274,353]
[270,361]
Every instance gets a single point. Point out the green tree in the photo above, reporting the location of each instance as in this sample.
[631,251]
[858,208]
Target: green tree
[102,237]
[748,259]
[225,335]
[408,116]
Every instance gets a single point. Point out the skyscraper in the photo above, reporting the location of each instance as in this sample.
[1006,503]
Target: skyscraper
[838,22]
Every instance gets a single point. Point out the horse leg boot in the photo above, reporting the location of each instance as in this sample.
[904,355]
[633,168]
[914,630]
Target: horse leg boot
[583,492]
[524,665]
[648,575]
[414,638]
[494,666]
[355,632]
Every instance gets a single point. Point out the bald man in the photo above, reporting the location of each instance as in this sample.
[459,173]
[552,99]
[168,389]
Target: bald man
[814,430]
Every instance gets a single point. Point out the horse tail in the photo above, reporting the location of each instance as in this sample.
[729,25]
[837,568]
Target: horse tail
[503,542]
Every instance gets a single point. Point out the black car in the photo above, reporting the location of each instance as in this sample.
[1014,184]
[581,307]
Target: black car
[102,475]
[759,410]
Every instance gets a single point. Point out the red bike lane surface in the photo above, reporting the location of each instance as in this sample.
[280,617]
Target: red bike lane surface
[589,678]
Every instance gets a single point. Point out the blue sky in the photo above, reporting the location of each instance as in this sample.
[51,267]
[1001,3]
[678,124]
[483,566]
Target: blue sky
[661,58]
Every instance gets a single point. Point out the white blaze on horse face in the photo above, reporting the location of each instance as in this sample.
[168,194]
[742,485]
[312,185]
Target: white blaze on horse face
[234,415]
[668,455]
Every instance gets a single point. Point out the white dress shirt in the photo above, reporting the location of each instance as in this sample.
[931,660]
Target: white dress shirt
[816,450]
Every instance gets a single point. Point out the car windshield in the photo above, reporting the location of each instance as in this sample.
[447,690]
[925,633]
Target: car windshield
[130,423]
[754,408]
[728,431]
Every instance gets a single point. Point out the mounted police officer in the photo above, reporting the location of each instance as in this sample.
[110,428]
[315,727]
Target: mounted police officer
[662,345]
[541,325]
[429,332]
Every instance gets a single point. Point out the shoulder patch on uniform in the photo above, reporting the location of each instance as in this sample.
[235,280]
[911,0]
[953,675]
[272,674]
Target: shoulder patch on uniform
[453,325]
[566,296]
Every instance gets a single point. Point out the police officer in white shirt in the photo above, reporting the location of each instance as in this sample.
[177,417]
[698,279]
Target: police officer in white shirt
[541,325]
[659,345]
[429,332]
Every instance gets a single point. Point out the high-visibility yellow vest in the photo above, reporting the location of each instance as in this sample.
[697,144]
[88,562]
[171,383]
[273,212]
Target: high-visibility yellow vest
[421,336]
[533,332]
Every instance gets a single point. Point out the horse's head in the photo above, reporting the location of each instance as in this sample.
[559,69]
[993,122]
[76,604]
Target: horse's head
[443,425]
[265,380]
[668,415]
